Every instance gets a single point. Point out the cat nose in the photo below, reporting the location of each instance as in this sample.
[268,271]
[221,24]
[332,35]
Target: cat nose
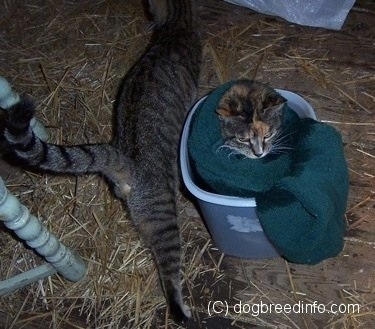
[258,151]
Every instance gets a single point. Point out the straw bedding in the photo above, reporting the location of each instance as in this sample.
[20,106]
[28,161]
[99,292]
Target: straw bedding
[70,56]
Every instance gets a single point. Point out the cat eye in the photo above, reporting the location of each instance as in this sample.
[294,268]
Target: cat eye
[242,139]
[268,135]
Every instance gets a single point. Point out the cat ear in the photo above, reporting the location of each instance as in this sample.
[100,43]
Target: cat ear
[223,112]
[273,101]
[274,111]
[271,111]
[278,107]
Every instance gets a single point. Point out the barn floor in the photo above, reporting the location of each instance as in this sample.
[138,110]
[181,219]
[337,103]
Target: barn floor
[70,56]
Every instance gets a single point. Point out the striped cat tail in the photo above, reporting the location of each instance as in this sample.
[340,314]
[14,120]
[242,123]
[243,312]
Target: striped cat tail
[75,159]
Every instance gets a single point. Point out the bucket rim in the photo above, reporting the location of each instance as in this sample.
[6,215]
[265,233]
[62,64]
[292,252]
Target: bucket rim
[295,102]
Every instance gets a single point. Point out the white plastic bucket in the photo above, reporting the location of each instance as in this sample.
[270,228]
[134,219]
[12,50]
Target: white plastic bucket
[232,221]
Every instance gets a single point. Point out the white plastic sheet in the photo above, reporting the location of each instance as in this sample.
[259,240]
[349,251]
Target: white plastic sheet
[330,14]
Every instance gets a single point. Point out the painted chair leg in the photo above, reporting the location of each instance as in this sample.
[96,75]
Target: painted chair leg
[27,227]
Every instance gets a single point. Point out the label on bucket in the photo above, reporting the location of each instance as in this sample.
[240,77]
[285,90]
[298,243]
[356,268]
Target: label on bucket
[244,224]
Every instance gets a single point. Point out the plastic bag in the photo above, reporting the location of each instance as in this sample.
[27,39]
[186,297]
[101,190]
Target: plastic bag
[329,14]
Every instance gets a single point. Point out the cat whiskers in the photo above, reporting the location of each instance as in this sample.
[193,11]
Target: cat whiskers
[280,142]
[234,151]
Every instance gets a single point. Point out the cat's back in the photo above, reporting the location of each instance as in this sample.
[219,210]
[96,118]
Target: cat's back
[159,89]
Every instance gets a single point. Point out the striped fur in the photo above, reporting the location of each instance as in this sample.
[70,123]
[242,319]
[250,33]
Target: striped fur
[141,159]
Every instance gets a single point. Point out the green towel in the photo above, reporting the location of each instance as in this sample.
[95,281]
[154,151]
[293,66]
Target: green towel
[301,195]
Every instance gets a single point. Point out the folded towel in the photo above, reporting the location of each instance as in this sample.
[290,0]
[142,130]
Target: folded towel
[301,195]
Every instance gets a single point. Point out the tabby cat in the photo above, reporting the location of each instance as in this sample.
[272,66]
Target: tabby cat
[250,119]
[141,160]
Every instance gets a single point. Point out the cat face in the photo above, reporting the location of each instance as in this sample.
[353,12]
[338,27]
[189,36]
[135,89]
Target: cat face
[250,118]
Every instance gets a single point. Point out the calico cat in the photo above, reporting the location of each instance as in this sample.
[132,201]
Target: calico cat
[250,119]
[141,160]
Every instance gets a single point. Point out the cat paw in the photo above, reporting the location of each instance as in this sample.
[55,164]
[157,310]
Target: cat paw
[186,310]
[180,313]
